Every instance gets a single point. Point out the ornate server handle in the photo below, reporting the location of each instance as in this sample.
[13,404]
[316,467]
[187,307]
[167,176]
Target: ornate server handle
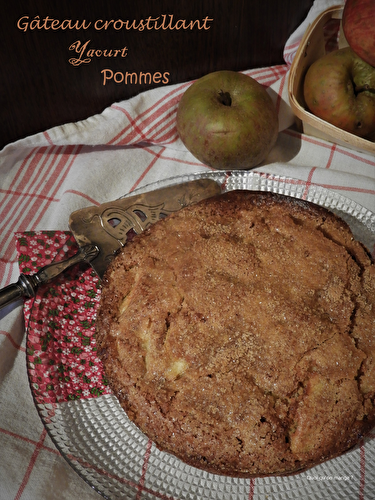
[27,285]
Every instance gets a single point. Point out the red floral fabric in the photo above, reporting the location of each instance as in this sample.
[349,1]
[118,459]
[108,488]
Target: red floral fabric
[60,320]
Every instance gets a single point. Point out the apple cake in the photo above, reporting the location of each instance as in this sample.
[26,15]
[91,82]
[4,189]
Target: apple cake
[238,334]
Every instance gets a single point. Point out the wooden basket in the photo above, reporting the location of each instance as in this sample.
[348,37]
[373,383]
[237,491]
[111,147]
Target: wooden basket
[312,47]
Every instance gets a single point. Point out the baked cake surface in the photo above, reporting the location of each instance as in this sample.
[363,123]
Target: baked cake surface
[238,334]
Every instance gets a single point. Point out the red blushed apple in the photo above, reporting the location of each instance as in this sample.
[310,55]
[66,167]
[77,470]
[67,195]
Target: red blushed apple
[227,120]
[340,89]
[358,22]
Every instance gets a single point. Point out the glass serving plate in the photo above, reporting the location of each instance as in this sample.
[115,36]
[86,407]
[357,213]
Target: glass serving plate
[108,451]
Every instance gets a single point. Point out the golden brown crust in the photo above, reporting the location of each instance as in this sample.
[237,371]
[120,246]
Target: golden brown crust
[238,334]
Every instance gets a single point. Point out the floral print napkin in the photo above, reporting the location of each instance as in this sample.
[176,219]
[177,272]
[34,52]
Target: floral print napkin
[60,320]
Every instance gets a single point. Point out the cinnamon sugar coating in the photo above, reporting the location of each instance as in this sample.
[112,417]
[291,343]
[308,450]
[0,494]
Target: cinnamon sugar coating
[238,334]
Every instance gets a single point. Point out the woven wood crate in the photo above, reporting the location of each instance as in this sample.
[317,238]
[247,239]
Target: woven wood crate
[315,44]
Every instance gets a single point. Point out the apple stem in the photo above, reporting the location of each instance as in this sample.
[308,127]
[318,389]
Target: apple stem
[364,88]
[225,98]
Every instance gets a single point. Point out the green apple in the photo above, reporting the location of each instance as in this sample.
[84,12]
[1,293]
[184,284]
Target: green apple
[340,89]
[227,120]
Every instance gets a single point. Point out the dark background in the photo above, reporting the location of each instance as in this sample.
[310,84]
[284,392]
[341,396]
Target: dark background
[39,88]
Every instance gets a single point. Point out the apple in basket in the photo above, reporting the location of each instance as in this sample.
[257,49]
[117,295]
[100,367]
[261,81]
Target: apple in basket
[227,120]
[340,89]
[358,23]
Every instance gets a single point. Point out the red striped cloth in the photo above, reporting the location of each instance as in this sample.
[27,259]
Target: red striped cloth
[43,178]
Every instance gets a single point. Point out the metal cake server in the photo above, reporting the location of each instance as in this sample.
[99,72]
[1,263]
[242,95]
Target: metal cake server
[100,231]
